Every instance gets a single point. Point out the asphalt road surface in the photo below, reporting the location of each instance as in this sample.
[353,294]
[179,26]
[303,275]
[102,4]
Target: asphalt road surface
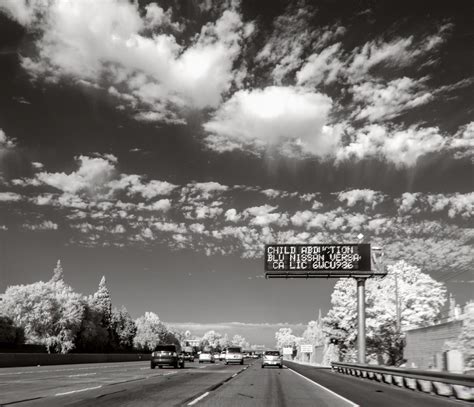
[135,384]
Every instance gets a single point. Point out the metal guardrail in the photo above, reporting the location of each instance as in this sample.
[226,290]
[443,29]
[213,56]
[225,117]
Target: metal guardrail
[445,384]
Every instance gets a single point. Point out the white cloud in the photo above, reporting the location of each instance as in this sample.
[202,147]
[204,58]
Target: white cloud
[382,102]
[5,142]
[37,165]
[110,41]
[10,197]
[407,202]
[134,184]
[160,205]
[322,67]
[398,53]
[231,215]
[264,216]
[273,117]
[463,142]
[400,147]
[368,196]
[45,225]
[93,175]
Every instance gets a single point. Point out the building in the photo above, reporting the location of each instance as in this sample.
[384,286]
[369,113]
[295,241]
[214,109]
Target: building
[437,346]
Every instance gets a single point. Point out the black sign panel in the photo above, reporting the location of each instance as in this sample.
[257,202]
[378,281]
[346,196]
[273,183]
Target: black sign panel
[317,260]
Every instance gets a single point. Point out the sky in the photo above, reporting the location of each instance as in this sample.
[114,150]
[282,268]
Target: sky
[163,144]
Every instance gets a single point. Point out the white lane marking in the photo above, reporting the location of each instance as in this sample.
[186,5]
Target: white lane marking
[78,391]
[198,398]
[81,374]
[325,388]
[69,369]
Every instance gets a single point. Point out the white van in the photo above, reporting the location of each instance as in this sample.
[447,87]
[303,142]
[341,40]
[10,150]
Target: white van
[233,354]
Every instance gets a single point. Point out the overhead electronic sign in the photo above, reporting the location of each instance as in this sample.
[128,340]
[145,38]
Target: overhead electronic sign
[318,260]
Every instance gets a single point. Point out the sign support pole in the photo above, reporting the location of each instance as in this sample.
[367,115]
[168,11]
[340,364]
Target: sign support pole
[361,319]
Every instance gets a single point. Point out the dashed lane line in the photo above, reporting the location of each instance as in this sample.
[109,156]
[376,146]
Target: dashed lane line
[82,374]
[198,398]
[78,391]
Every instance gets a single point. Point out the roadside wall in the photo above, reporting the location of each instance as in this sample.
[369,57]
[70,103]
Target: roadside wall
[425,347]
[34,359]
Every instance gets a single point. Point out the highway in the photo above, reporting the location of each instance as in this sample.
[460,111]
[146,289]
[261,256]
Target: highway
[135,384]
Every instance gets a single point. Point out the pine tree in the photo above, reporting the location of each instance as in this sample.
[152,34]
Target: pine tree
[58,274]
[103,303]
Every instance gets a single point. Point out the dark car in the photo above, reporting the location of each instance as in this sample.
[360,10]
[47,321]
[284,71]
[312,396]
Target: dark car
[167,355]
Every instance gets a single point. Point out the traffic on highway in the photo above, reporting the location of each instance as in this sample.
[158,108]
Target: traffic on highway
[215,384]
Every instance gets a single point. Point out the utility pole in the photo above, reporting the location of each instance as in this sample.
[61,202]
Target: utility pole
[397,303]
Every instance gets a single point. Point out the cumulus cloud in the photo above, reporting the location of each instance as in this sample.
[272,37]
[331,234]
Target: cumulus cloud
[402,147]
[93,175]
[112,43]
[354,196]
[276,116]
[133,184]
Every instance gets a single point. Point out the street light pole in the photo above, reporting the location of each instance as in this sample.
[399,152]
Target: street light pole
[361,319]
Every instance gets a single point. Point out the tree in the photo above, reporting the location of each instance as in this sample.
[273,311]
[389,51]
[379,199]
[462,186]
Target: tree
[420,300]
[103,303]
[58,274]
[9,333]
[239,340]
[212,339]
[50,313]
[224,342]
[92,335]
[285,338]
[152,332]
[313,334]
[123,329]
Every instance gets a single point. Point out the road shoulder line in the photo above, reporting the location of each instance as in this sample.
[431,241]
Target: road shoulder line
[325,388]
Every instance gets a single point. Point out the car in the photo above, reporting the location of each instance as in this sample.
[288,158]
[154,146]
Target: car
[206,357]
[188,356]
[234,355]
[222,356]
[188,353]
[167,355]
[272,358]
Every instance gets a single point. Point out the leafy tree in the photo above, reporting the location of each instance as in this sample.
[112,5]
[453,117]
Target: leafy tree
[212,339]
[239,340]
[151,332]
[224,342]
[123,329]
[313,334]
[9,333]
[92,335]
[420,301]
[285,338]
[50,313]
